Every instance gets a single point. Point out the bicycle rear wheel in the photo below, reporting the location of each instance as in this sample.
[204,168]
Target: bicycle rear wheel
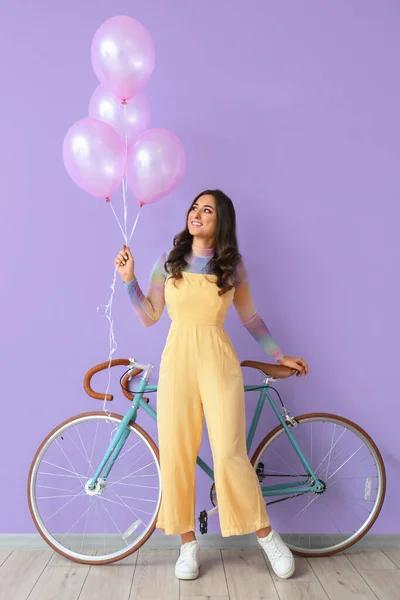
[110,522]
[349,463]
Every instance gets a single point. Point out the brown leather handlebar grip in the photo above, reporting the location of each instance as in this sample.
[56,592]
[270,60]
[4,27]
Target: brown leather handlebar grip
[116,362]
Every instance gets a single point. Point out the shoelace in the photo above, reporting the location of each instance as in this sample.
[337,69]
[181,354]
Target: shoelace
[187,551]
[273,549]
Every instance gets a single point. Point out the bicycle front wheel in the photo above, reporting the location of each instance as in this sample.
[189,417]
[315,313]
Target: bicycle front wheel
[109,522]
[346,459]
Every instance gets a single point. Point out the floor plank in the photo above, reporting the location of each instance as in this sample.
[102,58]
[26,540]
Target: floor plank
[386,584]
[211,581]
[303,585]
[111,582]
[154,577]
[57,560]
[20,572]
[370,559]
[203,597]
[4,554]
[61,583]
[340,579]
[350,589]
[394,555]
[330,569]
[247,575]
[300,590]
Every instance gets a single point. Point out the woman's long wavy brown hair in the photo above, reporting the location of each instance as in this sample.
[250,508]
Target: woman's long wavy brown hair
[226,253]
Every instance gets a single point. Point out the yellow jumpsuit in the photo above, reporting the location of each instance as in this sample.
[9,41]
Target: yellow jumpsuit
[200,374]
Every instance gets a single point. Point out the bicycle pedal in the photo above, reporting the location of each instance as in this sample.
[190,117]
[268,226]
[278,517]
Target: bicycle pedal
[203,519]
[260,472]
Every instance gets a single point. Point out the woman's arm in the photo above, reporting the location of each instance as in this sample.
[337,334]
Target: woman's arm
[149,307]
[249,316]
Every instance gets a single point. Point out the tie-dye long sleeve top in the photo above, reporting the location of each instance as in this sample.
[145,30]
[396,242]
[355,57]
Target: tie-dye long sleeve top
[149,306]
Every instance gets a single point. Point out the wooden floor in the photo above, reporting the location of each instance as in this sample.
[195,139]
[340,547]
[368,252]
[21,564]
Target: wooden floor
[224,575]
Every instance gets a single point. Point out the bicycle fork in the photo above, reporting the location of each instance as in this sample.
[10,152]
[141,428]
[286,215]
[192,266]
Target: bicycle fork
[97,483]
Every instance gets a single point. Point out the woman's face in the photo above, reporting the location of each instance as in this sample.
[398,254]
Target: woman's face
[202,218]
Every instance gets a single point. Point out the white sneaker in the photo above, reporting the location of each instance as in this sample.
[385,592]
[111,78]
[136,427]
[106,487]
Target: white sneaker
[279,555]
[188,564]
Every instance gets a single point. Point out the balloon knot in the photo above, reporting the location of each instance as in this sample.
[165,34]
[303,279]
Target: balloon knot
[108,199]
[142,204]
[123,101]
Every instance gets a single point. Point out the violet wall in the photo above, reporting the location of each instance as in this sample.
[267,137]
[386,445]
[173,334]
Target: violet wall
[290,107]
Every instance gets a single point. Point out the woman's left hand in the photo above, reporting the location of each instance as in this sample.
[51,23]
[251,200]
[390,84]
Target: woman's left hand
[298,364]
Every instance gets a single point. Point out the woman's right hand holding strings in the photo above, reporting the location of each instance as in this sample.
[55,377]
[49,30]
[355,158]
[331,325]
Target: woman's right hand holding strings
[125,264]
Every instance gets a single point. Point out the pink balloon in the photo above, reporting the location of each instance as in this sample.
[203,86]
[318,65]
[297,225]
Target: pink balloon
[131,118]
[156,164]
[123,56]
[94,156]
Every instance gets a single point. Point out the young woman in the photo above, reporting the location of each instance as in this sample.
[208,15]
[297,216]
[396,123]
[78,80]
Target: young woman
[200,375]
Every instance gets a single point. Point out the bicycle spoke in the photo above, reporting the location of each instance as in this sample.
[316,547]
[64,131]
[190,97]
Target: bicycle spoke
[86,520]
[306,507]
[130,475]
[351,506]
[60,475]
[76,522]
[69,462]
[94,443]
[129,449]
[280,474]
[148,487]
[330,451]
[58,496]
[125,504]
[283,460]
[344,463]
[330,516]
[115,525]
[132,498]
[84,450]
[63,506]
[103,498]
[332,446]
[50,487]
[345,450]
[76,475]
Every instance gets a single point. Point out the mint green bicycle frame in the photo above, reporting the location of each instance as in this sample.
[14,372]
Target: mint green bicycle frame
[311,482]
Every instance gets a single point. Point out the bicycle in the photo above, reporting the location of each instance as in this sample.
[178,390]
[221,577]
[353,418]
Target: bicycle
[83,495]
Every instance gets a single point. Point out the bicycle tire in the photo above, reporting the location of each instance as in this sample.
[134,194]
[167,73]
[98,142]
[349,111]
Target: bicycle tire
[263,445]
[32,502]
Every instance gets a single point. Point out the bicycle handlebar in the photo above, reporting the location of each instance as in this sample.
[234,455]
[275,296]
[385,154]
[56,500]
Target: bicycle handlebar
[274,371]
[116,362]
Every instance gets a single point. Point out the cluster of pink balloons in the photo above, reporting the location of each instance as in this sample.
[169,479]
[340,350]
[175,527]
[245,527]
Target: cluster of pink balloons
[115,140]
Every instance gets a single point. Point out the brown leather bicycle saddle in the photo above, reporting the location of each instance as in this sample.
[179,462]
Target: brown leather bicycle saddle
[275,371]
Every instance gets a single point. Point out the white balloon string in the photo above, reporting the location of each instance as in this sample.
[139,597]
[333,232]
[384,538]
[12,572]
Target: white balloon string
[108,307]
[125,207]
[124,179]
[112,342]
[119,223]
[134,226]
